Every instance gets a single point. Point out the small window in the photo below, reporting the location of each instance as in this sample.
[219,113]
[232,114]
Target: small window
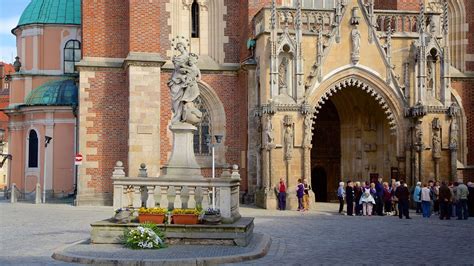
[72,54]
[195,20]
[33,149]
[203,130]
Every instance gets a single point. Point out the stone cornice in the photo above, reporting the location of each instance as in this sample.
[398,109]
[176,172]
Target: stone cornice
[143,59]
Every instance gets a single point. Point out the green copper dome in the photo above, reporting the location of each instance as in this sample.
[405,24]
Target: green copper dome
[56,92]
[51,12]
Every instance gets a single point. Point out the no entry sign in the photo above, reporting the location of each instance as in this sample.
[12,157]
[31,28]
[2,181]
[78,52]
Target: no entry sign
[78,159]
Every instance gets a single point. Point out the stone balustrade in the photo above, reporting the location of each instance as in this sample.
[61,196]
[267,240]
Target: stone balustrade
[399,21]
[311,19]
[173,193]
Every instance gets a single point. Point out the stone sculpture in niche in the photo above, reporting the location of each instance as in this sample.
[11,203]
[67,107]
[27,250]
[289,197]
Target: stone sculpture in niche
[453,138]
[282,75]
[355,36]
[436,144]
[183,86]
[269,136]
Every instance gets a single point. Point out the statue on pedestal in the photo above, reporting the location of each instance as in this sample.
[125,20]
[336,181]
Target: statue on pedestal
[184,88]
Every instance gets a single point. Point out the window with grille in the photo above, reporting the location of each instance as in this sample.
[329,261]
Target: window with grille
[32,149]
[317,4]
[72,54]
[203,129]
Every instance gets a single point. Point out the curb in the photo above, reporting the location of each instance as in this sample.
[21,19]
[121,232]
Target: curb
[260,250]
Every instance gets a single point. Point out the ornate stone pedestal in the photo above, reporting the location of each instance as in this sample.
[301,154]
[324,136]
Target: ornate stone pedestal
[182,163]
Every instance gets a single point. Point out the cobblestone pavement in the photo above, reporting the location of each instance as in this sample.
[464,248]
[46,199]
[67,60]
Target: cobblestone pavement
[30,233]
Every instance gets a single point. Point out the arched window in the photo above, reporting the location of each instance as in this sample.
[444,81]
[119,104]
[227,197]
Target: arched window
[72,54]
[203,129]
[195,20]
[33,149]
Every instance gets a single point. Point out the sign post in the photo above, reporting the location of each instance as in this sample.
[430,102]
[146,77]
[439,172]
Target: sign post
[78,159]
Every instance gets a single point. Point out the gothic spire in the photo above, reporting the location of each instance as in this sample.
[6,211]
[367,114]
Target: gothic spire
[273,16]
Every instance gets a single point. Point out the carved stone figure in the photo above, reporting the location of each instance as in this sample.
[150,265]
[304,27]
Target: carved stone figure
[436,144]
[269,136]
[418,133]
[183,86]
[453,134]
[355,36]
[288,140]
[282,75]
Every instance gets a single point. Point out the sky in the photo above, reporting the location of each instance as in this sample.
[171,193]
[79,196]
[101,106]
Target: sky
[10,12]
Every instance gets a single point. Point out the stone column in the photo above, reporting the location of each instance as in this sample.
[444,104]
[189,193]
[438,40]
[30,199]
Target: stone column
[144,71]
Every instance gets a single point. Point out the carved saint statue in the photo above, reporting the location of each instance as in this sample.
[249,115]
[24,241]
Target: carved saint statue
[184,88]
[436,144]
[288,140]
[453,134]
[282,75]
[355,36]
[269,137]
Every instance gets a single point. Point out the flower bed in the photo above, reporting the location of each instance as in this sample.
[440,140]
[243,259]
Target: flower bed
[185,216]
[152,215]
[146,236]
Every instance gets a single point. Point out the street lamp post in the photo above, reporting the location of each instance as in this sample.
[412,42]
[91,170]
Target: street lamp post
[47,140]
[213,145]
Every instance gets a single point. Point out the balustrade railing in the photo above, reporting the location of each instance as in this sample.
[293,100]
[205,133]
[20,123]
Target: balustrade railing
[399,21]
[173,193]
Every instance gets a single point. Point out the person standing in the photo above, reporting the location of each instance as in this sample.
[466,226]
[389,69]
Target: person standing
[306,194]
[444,201]
[403,196]
[357,196]
[394,198]
[470,198]
[379,198]
[452,207]
[387,198]
[426,201]
[300,194]
[281,195]
[341,194]
[350,198]
[417,197]
[461,200]
[367,201]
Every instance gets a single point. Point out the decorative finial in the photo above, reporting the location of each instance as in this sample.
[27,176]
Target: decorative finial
[273,16]
[298,15]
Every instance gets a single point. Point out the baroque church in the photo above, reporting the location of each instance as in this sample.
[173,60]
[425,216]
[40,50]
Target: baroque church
[327,90]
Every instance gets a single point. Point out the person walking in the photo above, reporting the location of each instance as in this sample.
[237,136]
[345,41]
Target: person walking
[387,198]
[300,194]
[417,197]
[379,198]
[281,195]
[306,194]
[367,201]
[452,207]
[470,198]
[357,195]
[444,201]
[403,196]
[341,194]
[426,201]
[462,193]
[394,197]
[350,198]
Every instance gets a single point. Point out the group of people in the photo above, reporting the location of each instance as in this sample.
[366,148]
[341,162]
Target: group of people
[302,194]
[382,198]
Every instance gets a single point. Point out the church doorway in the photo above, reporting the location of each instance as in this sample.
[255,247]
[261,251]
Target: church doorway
[326,153]
[351,141]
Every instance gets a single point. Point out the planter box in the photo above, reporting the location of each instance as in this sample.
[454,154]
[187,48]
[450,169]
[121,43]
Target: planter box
[152,218]
[185,219]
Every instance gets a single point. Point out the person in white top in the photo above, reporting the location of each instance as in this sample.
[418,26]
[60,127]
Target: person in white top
[426,201]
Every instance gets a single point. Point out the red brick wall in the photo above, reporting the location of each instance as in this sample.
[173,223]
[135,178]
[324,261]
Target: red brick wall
[465,89]
[109,96]
[385,4]
[469,5]
[145,24]
[105,28]
[397,4]
[232,30]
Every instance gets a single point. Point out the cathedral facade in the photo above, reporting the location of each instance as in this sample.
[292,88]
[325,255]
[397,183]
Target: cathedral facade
[329,91]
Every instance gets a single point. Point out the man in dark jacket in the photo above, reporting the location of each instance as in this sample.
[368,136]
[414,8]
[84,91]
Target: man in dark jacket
[350,198]
[379,199]
[444,201]
[470,198]
[403,196]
